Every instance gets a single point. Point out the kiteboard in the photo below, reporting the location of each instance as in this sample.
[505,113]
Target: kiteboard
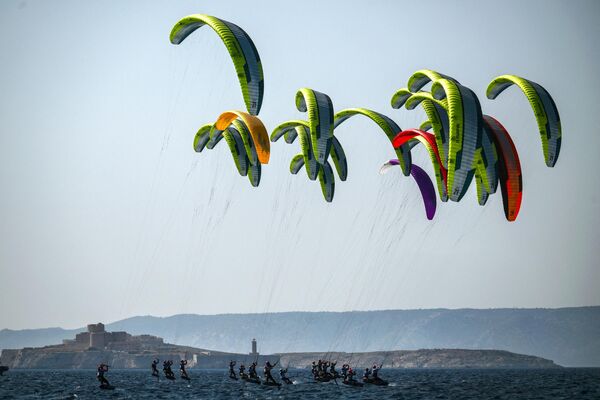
[376,381]
[252,380]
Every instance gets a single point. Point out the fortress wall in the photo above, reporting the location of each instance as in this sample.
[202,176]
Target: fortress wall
[97,340]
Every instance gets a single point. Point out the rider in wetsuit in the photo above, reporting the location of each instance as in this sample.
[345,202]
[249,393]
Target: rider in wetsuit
[314,369]
[332,370]
[367,374]
[345,368]
[154,369]
[182,370]
[282,375]
[252,371]
[350,375]
[102,368]
[167,369]
[242,370]
[267,372]
[232,371]
[375,371]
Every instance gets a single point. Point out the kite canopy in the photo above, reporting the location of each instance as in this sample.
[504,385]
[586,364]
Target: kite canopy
[509,168]
[242,132]
[255,127]
[424,183]
[546,113]
[320,120]
[241,49]
[428,140]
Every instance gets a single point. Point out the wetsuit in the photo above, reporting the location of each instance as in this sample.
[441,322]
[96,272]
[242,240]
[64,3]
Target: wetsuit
[167,369]
[284,378]
[252,370]
[345,371]
[314,369]
[375,371]
[267,372]
[102,368]
[154,369]
[182,370]
[367,374]
[351,374]
[242,370]
[332,370]
[232,371]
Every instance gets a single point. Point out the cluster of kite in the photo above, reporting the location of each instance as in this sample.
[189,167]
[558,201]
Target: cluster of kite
[464,145]
[244,133]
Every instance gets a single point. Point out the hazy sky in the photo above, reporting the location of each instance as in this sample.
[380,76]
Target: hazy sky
[107,212]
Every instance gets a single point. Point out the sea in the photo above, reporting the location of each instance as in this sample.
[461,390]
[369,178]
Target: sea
[562,383]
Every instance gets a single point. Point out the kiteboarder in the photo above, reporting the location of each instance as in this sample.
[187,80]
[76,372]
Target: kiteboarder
[182,370]
[332,370]
[154,369]
[167,369]
[242,371]
[102,368]
[284,378]
[350,374]
[345,368]
[267,372]
[375,379]
[367,374]
[252,371]
[375,371]
[232,371]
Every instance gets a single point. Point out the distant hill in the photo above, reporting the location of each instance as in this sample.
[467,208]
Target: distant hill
[16,339]
[568,336]
[432,358]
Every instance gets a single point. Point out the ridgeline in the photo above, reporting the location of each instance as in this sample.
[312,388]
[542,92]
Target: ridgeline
[569,336]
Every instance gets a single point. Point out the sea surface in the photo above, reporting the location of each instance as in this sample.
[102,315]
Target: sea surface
[567,383]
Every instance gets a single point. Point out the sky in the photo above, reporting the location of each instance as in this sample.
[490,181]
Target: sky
[106,211]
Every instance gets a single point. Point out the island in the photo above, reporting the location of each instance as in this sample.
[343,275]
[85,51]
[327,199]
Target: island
[123,350]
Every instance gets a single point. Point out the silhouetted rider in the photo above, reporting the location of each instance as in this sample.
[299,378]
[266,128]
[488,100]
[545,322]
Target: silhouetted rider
[102,368]
[267,372]
[232,371]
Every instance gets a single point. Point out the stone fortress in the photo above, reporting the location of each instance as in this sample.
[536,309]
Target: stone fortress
[96,338]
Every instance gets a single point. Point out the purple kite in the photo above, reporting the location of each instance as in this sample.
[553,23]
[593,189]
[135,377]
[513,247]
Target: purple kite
[424,182]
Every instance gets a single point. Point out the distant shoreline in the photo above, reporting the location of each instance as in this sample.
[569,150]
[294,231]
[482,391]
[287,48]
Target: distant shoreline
[55,358]
[568,336]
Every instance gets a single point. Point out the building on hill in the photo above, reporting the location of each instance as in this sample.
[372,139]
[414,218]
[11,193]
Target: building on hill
[120,350]
[96,337]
